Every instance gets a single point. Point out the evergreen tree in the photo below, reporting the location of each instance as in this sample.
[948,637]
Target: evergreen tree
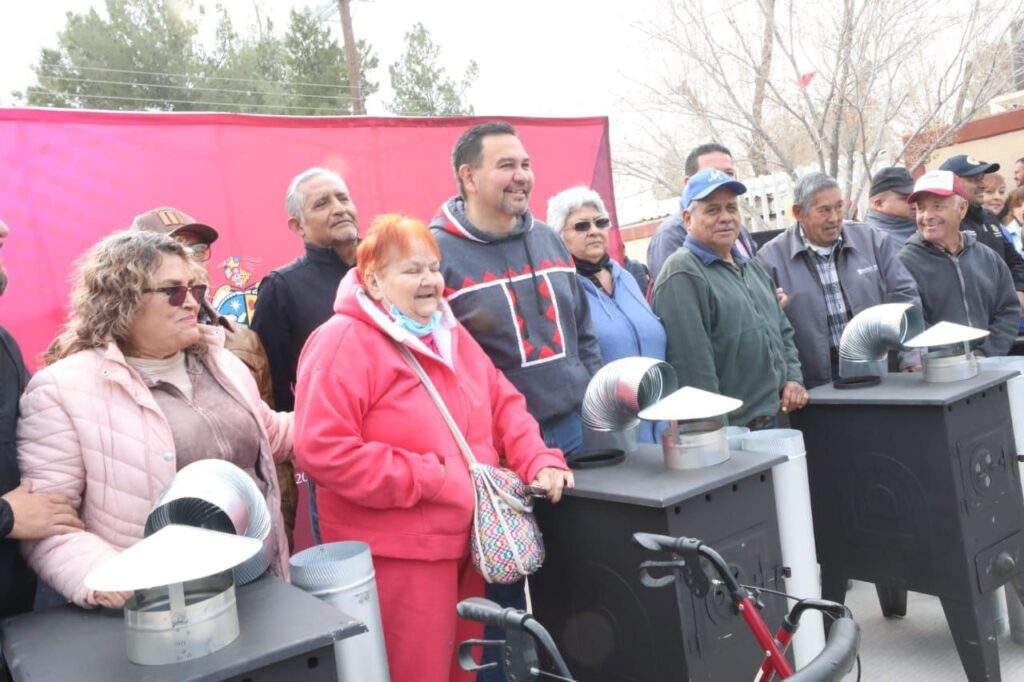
[422,86]
[145,56]
[313,56]
[120,62]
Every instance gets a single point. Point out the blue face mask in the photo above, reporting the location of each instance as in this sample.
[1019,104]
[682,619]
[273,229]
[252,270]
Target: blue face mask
[412,326]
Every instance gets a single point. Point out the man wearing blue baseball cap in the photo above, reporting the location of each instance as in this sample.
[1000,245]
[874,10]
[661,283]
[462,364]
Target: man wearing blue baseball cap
[980,220]
[726,331]
[671,233]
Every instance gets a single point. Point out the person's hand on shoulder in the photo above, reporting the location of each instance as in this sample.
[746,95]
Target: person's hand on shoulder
[38,516]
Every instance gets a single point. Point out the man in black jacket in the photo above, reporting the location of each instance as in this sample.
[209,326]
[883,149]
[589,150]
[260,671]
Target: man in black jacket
[298,297]
[983,222]
[23,516]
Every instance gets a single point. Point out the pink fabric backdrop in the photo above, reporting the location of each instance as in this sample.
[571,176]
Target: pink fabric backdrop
[67,178]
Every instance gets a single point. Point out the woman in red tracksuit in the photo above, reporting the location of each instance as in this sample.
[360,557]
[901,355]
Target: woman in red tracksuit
[387,469]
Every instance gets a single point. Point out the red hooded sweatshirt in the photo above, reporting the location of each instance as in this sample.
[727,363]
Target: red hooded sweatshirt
[387,469]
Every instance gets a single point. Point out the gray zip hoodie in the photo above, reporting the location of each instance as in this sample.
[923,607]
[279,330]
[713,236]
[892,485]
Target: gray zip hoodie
[972,288]
[518,295]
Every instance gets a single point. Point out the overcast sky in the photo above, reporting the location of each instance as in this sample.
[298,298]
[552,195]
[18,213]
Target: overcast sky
[543,57]
[536,57]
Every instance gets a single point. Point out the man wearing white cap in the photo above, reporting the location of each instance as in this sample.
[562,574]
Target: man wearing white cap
[726,331]
[960,280]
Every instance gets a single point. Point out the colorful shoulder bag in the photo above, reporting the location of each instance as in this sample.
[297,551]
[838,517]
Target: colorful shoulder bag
[505,541]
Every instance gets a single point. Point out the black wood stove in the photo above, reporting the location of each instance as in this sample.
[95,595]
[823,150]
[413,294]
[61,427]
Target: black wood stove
[588,594]
[915,486]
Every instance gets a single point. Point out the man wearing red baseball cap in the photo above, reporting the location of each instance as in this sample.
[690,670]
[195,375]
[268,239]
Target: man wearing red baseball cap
[983,222]
[960,280]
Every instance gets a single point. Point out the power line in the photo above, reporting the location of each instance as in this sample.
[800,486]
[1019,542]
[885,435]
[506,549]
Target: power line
[234,105]
[191,87]
[176,101]
[421,99]
[283,94]
[186,75]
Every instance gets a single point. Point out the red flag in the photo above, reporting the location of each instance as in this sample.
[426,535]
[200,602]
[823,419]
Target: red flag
[806,78]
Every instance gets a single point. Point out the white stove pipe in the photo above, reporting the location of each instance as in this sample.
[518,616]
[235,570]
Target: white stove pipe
[796,531]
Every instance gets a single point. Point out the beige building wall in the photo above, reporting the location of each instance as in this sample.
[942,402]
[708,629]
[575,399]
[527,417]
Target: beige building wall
[1003,149]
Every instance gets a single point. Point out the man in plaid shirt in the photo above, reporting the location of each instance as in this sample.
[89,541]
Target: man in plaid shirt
[832,270]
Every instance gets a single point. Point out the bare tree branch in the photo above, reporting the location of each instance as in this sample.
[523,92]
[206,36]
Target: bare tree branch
[878,86]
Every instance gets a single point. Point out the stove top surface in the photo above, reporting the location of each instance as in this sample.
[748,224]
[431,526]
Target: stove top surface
[644,480]
[910,389]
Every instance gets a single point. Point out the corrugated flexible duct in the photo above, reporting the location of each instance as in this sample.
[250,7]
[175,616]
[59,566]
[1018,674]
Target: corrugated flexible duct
[872,333]
[623,387]
[217,495]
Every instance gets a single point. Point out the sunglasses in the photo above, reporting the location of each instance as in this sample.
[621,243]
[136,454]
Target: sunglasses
[599,223]
[200,252]
[176,295]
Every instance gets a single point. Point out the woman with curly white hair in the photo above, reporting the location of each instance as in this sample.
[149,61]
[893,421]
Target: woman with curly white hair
[623,321]
[133,391]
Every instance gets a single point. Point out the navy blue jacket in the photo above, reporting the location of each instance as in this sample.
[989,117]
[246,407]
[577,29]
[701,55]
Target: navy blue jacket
[293,301]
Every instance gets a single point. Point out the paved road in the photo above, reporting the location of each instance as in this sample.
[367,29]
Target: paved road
[918,647]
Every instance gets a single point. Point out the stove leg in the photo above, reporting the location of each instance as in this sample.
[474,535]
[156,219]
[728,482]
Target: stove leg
[833,586]
[893,600]
[1015,609]
[973,628]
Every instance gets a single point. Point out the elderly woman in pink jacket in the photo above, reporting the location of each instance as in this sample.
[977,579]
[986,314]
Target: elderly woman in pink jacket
[387,469]
[134,389]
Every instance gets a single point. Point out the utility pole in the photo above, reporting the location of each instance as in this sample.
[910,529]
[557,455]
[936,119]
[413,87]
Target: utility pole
[351,59]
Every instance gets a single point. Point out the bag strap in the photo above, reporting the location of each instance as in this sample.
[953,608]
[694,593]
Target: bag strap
[410,358]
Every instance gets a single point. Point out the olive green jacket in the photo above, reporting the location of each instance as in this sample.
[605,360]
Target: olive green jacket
[726,331]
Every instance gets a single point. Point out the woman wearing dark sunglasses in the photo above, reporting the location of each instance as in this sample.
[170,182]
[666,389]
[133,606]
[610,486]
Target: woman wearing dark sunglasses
[132,392]
[623,320]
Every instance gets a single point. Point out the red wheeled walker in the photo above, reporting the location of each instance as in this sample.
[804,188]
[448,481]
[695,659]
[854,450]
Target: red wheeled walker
[830,665]
[520,662]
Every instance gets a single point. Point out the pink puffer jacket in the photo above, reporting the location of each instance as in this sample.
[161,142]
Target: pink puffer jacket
[90,429]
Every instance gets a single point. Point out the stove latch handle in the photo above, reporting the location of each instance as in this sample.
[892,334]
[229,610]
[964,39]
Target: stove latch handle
[1003,564]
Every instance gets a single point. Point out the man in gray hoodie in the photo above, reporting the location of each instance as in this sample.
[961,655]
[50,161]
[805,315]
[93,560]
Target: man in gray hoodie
[960,279]
[511,282]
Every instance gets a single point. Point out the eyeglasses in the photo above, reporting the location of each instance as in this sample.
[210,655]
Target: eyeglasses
[176,295]
[200,252]
[599,223]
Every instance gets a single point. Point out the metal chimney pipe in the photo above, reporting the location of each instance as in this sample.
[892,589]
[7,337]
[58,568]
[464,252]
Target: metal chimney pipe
[872,333]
